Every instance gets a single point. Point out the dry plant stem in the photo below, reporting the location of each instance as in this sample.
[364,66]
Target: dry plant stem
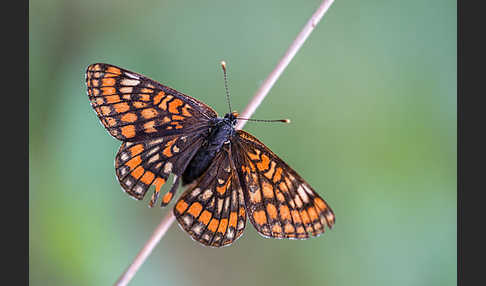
[147,249]
[247,113]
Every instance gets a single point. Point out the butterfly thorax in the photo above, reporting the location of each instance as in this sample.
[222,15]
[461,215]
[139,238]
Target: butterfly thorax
[220,132]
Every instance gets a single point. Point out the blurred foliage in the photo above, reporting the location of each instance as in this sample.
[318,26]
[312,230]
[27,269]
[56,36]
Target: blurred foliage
[372,98]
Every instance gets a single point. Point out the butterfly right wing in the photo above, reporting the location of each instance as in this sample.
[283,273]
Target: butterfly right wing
[279,202]
[133,107]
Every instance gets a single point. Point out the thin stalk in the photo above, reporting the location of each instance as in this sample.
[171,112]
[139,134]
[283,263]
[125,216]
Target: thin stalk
[147,249]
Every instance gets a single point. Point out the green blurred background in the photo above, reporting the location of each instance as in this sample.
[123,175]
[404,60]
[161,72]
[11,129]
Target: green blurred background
[372,99]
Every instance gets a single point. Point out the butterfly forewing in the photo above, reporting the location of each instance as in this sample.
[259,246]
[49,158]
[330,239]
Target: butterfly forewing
[279,202]
[133,107]
[212,211]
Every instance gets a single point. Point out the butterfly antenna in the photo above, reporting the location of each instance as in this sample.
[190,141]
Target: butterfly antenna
[264,120]
[223,65]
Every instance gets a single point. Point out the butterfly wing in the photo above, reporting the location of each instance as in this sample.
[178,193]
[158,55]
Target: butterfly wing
[133,107]
[212,210]
[142,164]
[279,202]
[161,127]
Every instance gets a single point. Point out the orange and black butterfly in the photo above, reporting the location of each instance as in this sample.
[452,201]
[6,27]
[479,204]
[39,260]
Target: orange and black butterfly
[230,174]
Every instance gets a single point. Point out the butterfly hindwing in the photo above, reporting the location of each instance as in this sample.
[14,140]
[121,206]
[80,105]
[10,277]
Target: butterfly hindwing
[133,107]
[279,202]
[142,164]
[212,209]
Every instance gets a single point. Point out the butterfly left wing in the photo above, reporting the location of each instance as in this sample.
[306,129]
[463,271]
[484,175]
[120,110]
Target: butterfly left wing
[212,210]
[279,202]
[133,107]
[142,164]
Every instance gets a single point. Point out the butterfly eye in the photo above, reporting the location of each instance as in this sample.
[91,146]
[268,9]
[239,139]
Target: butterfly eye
[232,116]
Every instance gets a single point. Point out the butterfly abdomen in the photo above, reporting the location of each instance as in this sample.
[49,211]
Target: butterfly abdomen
[220,133]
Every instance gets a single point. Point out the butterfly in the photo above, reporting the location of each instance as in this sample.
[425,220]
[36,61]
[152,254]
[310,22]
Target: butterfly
[229,174]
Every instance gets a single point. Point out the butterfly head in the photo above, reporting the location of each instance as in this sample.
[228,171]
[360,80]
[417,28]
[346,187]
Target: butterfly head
[232,117]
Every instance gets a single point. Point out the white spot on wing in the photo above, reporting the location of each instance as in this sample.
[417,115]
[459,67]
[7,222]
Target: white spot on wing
[187,219]
[195,192]
[220,205]
[303,194]
[126,89]
[154,158]
[226,204]
[138,189]
[230,234]
[330,217]
[124,156]
[207,194]
[128,182]
[156,141]
[153,150]
[292,204]
[309,191]
[233,198]
[197,229]
[130,82]
[168,167]
[240,195]
[241,225]
[298,201]
[131,75]
[123,171]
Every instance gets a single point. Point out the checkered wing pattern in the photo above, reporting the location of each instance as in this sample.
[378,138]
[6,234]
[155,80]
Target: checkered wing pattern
[280,204]
[212,210]
[140,165]
[133,107]
[161,128]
